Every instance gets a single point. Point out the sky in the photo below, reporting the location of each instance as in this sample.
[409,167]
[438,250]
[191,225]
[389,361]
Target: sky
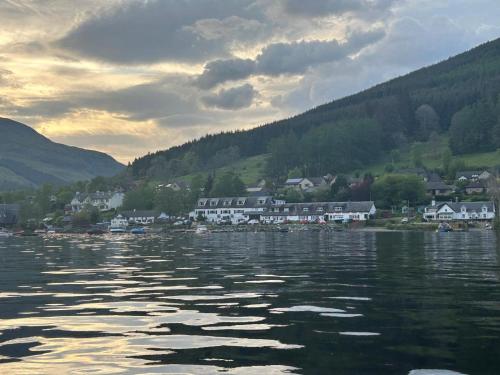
[128,77]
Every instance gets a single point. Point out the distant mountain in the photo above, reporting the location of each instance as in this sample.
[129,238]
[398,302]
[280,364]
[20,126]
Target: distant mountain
[28,159]
[456,98]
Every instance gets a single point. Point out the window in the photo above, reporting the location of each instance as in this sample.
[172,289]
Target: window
[338,209]
[305,209]
[241,202]
[213,203]
[320,209]
[202,203]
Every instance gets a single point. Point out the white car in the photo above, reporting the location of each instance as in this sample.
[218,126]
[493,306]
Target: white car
[253,222]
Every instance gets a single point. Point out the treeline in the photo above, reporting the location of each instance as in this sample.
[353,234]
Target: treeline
[407,109]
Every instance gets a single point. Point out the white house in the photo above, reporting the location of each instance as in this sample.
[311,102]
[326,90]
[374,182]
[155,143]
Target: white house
[460,211]
[119,222]
[230,209]
[320,212]
[104,201]
[139,217]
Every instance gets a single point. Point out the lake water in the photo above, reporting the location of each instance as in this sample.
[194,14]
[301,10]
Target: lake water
[251,303]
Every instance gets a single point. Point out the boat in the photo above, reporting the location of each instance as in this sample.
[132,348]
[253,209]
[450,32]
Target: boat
[5,233]
[138,230]
[200,229]
[118,230]
[444,228]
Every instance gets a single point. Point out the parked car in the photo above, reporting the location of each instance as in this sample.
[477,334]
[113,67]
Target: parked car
[253,222]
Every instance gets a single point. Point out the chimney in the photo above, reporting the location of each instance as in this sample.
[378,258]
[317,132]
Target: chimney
[433,203]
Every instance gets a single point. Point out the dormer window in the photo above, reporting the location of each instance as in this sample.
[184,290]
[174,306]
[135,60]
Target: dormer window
[241,202]
[202,203]
[305,209]
[464,209]
[320,209]
[213,203]
[485,209]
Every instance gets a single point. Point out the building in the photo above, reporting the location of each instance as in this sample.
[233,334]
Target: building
[9,214]
[258,188]
[140,217]
[459,211]
[308,185]
[475,187]
[472,176]
[267,210]
[178,186]
[438,188]
[320,212]
[103,201]
[119,222]
[232,210]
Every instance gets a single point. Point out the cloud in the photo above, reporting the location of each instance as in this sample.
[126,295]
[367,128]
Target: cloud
[152,31]
[286,58]
[220,71]
[231,99]
[324,8]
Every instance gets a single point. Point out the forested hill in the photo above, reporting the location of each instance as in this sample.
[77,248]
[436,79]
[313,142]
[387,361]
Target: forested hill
[458,97]
[28,159]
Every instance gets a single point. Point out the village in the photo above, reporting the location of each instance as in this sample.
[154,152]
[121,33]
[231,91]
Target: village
[261,206]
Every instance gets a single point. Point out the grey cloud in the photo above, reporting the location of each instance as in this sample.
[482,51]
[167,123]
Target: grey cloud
[220,71]
[286,58]
[152,31]
[322,8]
[231,99]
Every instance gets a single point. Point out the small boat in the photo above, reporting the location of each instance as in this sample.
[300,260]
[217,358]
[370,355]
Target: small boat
[138,230]
[5,233]
[200,229]
[117,230]
[444,228]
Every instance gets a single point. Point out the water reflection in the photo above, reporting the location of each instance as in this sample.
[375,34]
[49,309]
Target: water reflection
[251,303]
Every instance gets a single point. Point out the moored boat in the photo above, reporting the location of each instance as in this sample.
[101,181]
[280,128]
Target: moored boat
[138,230]
[5,233]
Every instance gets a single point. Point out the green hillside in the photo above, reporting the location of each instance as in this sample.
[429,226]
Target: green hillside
[456,100]
[27,159]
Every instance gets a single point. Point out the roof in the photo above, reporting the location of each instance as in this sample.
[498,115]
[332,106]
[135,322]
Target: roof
[437,185]
[475,185]
[469,206]
[95,196]
[317,180]
[139,213]
[293,181]
[235,202]
[468,174]
[322,207]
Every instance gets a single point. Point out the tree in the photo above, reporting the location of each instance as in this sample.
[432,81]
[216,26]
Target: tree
[427,121]
[447,157]
[228,184]
[393,190]
[170,201]
[141,198]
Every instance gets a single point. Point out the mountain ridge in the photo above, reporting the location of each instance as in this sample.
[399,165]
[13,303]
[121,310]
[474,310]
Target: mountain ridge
[443,90]
[29,159]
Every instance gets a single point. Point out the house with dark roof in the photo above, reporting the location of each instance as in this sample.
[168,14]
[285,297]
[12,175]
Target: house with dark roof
[437,187]
[463,176]
[9,214]
[320,212]
[307,184]
[476,187]
[460,211]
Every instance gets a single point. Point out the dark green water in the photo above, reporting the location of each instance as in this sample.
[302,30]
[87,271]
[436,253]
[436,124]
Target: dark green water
[251,303]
